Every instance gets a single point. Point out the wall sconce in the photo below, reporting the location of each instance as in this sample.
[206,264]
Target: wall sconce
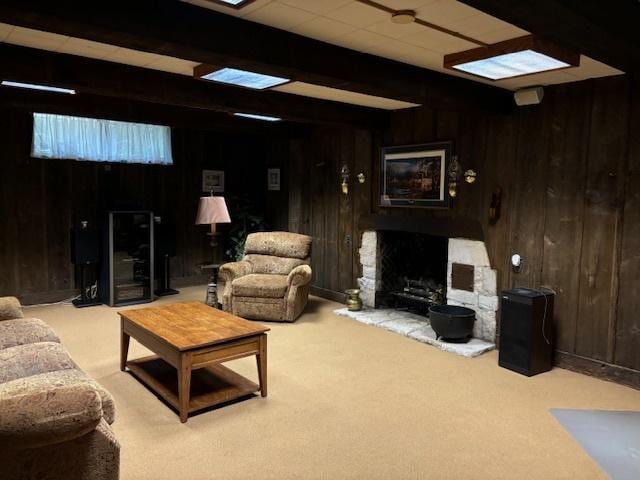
[344,175]
[454,176]
[470,176]
[361,177]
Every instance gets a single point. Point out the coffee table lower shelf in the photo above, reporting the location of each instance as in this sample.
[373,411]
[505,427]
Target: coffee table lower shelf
[211,385]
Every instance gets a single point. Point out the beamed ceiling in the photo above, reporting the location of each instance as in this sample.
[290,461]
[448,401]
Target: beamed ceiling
[341,51]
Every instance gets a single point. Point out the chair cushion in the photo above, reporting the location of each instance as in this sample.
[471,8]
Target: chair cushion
[22,331]
[273,265]
[33,359]
[60,378]
[279,244]
[260,285]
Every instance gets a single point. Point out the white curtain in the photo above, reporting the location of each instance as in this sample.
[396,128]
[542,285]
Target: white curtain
[79,138]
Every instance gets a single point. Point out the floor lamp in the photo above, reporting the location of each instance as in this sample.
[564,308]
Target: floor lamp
[211,211]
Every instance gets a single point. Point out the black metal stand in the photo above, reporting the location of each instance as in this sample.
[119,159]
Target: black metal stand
[84,300]
[165,280]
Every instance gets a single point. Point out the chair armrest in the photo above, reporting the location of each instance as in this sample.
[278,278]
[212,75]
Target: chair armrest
[10,308]
[301,275]
[231,271]
[45,416]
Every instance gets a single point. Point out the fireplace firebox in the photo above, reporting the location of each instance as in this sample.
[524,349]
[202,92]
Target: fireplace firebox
[413,271]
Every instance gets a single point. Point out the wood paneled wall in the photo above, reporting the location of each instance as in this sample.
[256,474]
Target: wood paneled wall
[39,200]
[569,171]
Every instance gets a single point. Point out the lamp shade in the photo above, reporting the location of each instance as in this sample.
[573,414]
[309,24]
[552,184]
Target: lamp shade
[212,210]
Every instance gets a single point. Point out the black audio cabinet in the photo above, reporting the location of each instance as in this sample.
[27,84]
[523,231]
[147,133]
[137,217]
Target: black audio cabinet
[526,331]
[127,275]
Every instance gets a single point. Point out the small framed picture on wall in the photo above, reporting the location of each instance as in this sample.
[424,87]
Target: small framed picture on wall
[213,181]
[273,179]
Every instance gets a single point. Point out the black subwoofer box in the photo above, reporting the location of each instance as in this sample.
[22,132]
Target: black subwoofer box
[526,331]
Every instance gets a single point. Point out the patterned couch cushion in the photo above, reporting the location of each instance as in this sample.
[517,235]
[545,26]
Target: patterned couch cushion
[33,359]
[22,331]
[60,378]
[279,244]
[273,265]
[260,285]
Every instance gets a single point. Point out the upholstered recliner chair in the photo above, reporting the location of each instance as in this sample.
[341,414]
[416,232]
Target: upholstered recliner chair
[272,280]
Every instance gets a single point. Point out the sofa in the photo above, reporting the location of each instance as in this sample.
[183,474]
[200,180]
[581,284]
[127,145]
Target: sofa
[54,419]
[272,280]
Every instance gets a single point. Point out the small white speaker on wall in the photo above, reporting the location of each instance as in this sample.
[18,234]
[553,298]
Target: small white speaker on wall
[529,96]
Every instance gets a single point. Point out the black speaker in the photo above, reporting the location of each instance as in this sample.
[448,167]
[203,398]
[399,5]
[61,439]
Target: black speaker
[526,331]
[85,254]
[85,243]
[165,247]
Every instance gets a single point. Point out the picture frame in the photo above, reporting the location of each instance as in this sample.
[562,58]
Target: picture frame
[273,179]
[415,175]
[213,181]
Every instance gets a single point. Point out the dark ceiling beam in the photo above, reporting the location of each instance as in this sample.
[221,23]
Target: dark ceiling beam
[94,106]
[182,30]
[109,79]
[605,31]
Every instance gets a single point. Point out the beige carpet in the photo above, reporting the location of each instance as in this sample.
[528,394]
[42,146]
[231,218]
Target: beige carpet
[347,401]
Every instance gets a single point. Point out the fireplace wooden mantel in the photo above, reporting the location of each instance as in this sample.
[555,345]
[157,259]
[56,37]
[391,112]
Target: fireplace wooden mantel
[444,227]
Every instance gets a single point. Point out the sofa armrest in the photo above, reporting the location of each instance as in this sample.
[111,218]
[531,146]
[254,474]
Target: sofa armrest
[301,275]
[10,308]
[45,416]
[230,271]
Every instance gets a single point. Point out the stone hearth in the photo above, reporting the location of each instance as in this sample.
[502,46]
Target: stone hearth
[483,299]
[417,328]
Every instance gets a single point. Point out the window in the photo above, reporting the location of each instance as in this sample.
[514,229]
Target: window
[79,138]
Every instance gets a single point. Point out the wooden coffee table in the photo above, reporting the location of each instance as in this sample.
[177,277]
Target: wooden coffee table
[193,340]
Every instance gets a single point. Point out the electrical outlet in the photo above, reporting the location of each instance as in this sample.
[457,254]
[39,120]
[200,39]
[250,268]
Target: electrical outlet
[347,240]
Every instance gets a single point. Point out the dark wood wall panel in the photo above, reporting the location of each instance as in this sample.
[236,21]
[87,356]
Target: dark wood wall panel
[41,198]
[569,171]
[565,205]
[607,149]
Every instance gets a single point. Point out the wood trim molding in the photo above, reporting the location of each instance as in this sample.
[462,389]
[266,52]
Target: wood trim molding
[339,297]
[598,369]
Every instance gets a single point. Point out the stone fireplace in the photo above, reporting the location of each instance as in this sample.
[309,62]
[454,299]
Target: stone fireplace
[470,280]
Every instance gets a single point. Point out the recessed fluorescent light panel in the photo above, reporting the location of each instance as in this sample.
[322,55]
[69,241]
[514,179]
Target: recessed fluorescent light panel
[512,65]
[243,78]
[512,58]
[253,116]
[32,86]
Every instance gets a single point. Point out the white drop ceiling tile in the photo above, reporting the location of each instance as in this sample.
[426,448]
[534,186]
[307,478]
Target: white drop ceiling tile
[538,79]
[279,15]
[438,41]
[318,7]
[358,14]
[360,39]
[173,65]
[86,48]
[393,30]
[405,4]
[590,68]
[501,35]
[344,96]
[5,30]
[35,38]
[445,12]
[322,28]
[132,57]
[478,24]
[420,57]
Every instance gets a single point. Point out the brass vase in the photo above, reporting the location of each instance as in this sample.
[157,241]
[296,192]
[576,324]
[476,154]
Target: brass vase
[354,303]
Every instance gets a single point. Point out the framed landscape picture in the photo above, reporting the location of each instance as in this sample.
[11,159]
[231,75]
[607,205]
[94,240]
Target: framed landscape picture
[415,175]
